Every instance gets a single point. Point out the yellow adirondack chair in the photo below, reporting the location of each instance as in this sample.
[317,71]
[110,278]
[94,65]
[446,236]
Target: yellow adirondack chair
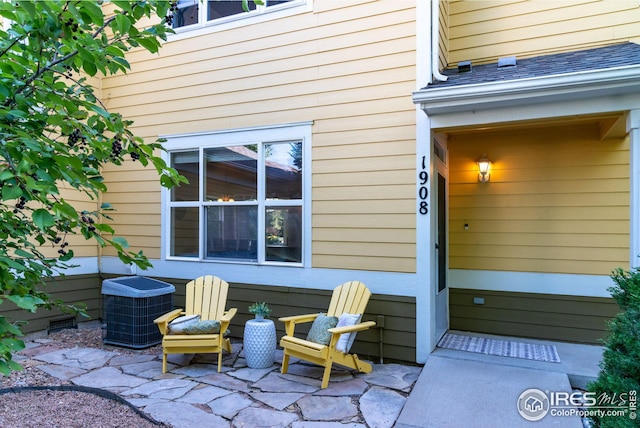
[206,296]
[350,298]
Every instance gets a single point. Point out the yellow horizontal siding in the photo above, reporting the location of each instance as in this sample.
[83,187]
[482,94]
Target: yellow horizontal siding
[482,31]
[403,236]
[557,201]
[302,106]
[557,187]
[518,227]
[333,194]
[123,196]
[532,239]
[443,36]
[579,267]
[372,178]
[364,163]
[80,246]
[533,212]
[356,207]
[358,262]
[364,220]
[347,66]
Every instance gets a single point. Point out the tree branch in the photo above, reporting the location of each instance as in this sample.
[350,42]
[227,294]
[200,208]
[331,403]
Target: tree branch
[55,62]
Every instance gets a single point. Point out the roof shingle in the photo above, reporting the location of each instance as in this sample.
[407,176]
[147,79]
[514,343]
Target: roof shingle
[619,55]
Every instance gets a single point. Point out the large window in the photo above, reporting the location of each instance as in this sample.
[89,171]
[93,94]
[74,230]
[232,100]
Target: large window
[243,203]
[201,12]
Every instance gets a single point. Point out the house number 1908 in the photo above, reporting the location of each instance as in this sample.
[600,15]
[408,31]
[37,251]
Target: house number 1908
[423,191]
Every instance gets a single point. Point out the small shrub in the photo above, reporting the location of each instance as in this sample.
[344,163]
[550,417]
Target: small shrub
[620,366]
[260,309]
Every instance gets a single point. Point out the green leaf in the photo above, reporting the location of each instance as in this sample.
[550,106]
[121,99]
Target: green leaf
[85,54]
[64,209]
[102,112]
[12,264]
[122,24]
[4,368]
[67,256]
[123,4]
[6,175]
[22,253]
[93,10]
[121,241]
[90,68]
[14,344]
[149,44]
[29,7]
[11,192]
[30,303]
[43,219]
[18,113]
[105,228]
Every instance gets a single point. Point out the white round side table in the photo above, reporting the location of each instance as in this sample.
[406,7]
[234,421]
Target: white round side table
[259,343]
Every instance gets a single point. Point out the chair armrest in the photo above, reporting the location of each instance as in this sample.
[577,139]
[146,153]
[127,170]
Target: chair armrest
[164,320]
[336,332]
[225,319]
[349,328]
[290,322]
[226,316]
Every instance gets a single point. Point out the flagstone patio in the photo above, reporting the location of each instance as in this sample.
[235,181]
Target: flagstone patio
[192,392]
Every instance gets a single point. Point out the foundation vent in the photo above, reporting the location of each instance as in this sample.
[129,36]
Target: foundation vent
[61,324]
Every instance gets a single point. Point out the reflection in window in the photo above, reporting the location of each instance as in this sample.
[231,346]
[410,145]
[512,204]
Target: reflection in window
[192,12]
[232,232]
[221,8]
[187,164]
[284,170]
[283,234]
[184,227]
[231,173]
[186,13]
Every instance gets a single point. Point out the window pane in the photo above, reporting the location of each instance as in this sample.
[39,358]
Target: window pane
[232,232]
[231,173]
[222,8]
[284,234]
[184,232]
[187,164]
[276,2]
[284,170]
[186,13]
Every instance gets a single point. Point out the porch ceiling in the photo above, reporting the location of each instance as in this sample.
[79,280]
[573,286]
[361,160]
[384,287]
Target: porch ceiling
[611,125]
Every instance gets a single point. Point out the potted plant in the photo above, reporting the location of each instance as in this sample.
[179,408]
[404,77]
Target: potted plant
[260,309]
[259,337]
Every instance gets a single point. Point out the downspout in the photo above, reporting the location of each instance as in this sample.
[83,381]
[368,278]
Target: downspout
[435,38]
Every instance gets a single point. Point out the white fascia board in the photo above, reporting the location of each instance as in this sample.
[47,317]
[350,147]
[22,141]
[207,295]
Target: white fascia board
[560,87]
[80,266]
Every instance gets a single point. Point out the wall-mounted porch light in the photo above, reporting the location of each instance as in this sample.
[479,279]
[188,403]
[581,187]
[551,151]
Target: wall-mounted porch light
[484,164]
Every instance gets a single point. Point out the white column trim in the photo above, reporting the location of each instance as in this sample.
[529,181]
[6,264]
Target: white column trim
[633,128]
[425,303]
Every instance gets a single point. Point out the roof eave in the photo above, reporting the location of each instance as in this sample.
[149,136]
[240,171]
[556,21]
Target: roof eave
[559,87]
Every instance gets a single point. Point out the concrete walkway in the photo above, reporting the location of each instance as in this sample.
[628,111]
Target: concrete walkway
[453,389]
[464,389]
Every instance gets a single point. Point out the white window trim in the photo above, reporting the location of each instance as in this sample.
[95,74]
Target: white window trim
[261,14]
[300,131]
